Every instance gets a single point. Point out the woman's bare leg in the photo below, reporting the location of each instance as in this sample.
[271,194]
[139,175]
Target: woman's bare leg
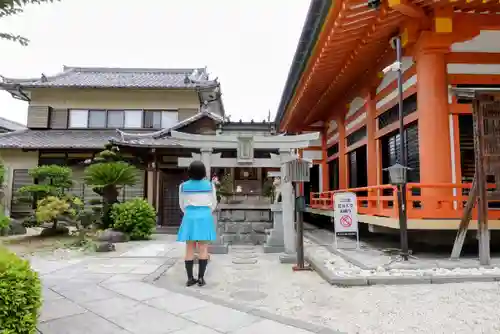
[190,247]
[203,250]
[203,262]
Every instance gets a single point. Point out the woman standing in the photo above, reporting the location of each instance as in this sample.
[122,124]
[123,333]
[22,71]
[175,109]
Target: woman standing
[198,200]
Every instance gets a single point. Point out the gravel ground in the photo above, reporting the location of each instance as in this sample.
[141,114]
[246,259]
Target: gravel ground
[268,285]
[450,308]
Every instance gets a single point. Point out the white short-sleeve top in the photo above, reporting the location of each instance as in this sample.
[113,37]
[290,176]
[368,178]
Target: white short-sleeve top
[197,193]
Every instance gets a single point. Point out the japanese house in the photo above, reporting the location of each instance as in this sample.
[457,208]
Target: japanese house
[73,114]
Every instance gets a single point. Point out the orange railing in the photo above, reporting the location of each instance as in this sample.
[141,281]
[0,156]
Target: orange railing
[445,201]
[375,200]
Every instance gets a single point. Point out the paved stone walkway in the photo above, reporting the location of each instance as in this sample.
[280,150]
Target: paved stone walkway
[113,294]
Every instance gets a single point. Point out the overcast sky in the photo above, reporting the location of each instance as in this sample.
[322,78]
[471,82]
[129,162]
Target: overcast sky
[248,44]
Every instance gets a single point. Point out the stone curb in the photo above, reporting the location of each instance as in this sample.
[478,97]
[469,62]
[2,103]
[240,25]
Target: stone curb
[332,250]
[441,279]
[152,278]
[333,279]
[408,266]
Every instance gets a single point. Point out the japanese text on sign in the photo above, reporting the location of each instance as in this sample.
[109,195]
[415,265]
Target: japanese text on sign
[345,216]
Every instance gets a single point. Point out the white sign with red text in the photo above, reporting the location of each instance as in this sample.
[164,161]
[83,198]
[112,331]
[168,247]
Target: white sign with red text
[345,216]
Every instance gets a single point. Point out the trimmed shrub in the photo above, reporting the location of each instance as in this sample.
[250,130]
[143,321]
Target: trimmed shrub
[4,221]
[20,295]
[135,217]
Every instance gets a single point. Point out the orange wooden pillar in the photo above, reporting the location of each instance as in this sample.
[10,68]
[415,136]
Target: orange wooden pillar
[433,119]
[325,177]
[343,177]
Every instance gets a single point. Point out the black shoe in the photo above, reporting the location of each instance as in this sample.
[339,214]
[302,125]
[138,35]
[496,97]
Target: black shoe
[201,282]
[192,282]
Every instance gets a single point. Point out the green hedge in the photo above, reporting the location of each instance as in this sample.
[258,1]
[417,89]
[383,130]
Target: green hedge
[135,217]
[20,295]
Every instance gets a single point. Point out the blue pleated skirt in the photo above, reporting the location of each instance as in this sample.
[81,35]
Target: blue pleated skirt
[197,224]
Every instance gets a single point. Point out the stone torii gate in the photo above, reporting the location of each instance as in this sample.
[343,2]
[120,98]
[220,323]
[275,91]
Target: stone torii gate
[282,236]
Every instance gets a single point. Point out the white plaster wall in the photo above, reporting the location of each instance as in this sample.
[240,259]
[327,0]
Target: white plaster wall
[356,121]
[15,159]
[474,68]
[407,63]
[487,41]
[332,138]
[406,85]
[356,104]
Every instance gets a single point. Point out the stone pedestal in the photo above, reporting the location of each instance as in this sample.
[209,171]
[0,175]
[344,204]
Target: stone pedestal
[288,258]
[218,246]
[288,209]
[275,237]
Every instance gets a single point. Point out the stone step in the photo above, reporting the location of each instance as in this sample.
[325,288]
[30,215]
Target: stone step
[244,239]
[246,227]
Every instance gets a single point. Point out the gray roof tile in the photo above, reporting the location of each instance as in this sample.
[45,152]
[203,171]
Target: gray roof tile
[34,139]
[104,77]
[10,125]
[89,138]
[146,141]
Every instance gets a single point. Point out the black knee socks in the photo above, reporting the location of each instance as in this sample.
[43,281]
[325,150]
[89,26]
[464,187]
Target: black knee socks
[202,267]
[189,268]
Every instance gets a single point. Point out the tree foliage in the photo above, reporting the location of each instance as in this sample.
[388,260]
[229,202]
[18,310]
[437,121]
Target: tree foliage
[225,186]
[135,217]
[20,295]
[2,185]
[107,174]
[48,180]
[14,7]
[52,208]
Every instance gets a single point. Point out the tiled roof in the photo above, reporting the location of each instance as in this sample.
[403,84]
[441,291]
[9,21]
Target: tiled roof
[105,77]
[89,138]
[10,125]
[35,139]
[145,141]
[160,138]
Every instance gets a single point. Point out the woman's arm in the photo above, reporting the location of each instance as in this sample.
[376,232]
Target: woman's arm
[214,197]
[181,198]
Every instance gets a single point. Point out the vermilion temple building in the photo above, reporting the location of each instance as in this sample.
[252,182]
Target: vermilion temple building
[336,85]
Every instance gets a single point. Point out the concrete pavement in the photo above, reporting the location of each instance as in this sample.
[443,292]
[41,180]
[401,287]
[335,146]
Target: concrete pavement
[114,294]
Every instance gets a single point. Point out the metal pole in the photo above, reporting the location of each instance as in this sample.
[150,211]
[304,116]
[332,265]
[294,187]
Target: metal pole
[403,224]
[299,209]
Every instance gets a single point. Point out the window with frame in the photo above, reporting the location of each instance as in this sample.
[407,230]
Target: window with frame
[119,119]
[133,119]
[160,119]
[97,119]
[78,118]
[116,119]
